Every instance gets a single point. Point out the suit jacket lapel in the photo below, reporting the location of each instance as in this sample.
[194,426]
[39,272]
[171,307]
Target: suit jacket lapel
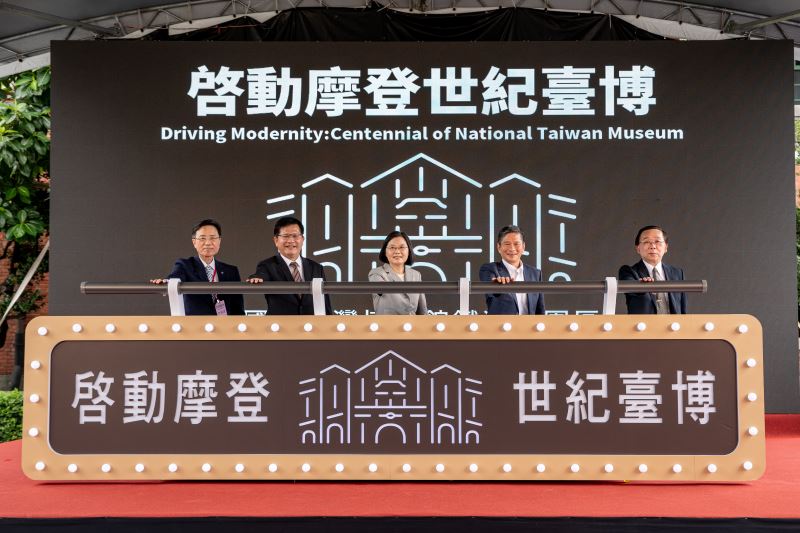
[527,275]
[673,296]
[390,275]
[641,269]
[199,269]
[308,273]
[669,272]
[283,271]
[502,271]
[283,268]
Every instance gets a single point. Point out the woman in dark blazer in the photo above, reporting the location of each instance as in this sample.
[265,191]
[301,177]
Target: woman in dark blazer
[397,259]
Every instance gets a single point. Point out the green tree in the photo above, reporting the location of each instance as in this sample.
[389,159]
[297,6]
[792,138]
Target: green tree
[10,415]
[24,179]
[797,142]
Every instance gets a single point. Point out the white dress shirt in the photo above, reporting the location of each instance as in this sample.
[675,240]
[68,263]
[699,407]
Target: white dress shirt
[518,274]
[658,267]
[213,265]
[299,262]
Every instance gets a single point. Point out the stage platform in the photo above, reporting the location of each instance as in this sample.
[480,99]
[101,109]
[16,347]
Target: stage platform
[769,504]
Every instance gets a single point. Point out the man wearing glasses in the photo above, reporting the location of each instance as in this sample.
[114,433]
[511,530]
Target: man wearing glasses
[287,265]
[511,246]
[651,245]
[206,239]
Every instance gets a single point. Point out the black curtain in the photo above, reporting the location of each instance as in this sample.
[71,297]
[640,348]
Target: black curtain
[381,24]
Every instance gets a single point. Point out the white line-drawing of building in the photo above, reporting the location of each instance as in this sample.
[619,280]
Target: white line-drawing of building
[524,204]
[331,422]
[430,201]
[325,207]
[390,399]
[563,216]
[444,212]
[454,422]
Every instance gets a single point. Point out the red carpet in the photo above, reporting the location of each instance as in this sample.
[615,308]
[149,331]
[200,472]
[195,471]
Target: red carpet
[776,495]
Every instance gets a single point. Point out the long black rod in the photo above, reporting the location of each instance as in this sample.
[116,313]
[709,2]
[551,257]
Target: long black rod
[366,287]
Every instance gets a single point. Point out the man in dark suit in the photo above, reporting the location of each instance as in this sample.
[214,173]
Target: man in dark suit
[287,265]
[651,245]
[207,238]
[510,245]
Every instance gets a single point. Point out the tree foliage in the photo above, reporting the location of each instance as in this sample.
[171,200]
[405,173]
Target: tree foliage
[24,178]
[797,142]
[10,415]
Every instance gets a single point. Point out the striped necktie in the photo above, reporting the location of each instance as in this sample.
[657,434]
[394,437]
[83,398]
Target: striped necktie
[662,303]
[295,271]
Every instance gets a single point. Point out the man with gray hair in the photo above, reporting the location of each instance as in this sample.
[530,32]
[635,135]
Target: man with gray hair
[651,245]
[511,245]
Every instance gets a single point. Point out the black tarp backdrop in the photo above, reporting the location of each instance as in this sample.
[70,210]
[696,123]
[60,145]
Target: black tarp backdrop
[120,213]
[380,24]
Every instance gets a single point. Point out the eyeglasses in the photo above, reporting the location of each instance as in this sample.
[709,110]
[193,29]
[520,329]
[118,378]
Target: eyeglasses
[291,236]
[396,248]
[205,239]
[658,244]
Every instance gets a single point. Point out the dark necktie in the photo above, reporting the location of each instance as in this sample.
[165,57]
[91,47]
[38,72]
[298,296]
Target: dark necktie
[662,302]
[296,276]
[210,276]
[295,271]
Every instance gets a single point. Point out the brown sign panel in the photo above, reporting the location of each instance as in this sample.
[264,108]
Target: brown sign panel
[394,396]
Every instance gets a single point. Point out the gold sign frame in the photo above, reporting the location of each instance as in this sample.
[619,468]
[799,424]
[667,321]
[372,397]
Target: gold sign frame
[746,463]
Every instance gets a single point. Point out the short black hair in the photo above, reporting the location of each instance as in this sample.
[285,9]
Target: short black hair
[207,222]
[393,235]
[505,230]
[647,228]
[287,221]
